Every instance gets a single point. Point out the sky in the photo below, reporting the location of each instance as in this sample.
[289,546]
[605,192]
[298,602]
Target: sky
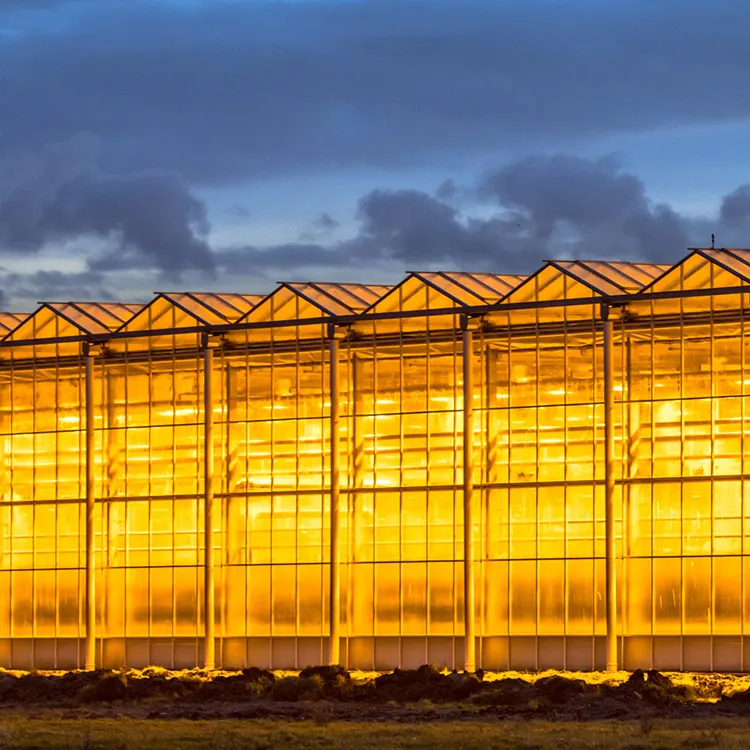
[225,145]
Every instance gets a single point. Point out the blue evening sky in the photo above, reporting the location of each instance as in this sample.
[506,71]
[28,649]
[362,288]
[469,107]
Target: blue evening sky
[226,144]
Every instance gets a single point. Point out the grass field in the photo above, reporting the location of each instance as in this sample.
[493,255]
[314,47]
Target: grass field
[53,732]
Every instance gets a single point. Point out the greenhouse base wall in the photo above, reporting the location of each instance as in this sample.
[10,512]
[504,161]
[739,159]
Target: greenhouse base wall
[495,653]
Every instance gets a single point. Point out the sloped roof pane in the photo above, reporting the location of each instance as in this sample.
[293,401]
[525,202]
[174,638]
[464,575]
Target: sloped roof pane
[490,287]
[111,315]
[10,321]
[230,306]
[630,277]
[452,288]
[79,318]
[357,297]
[731,261]
[196,308]
[329,298]
[596,281]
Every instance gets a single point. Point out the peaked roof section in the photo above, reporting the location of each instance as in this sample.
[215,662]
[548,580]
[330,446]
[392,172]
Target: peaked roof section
[168,311]
[705,268]
[68,319]
[430,289]
[300,300]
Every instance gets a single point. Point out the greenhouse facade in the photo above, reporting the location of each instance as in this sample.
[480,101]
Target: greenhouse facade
[470,470]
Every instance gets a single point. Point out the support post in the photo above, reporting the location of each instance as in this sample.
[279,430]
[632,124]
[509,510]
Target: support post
[470,657]
[209,648]
[609,489]
[358,453]
[334,649]
[90,657]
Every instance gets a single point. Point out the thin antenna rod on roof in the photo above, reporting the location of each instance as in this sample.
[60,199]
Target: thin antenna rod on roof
[713,239]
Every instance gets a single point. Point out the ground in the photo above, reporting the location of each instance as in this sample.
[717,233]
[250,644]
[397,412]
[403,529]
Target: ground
[56,732]
[328,707]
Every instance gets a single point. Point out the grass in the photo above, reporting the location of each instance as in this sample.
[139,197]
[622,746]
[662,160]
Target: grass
[55,732]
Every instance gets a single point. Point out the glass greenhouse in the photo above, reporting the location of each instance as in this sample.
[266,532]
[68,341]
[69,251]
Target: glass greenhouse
[467,469]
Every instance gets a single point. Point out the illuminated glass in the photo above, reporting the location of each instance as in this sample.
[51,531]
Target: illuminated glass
[681,420]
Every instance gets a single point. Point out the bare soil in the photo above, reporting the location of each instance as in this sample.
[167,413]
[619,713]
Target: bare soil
[325,694]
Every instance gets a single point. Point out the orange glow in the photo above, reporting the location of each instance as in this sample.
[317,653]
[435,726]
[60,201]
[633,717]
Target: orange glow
[681,422]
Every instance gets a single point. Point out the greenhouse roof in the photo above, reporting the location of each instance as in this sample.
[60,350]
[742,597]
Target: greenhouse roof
[432,293]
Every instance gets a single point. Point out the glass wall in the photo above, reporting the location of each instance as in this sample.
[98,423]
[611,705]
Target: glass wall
[681,390]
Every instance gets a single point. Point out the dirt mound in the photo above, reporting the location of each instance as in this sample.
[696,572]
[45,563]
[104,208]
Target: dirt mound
[425,683]
[655,688]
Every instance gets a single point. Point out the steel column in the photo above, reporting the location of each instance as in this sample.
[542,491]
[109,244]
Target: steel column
[470,657]
[90,656]
[609,489]
[209,652]
[334,650]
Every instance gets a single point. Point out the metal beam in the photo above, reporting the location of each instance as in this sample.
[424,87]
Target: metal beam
[209,648]
[334,648]
[609,490]
[90,613]
[470,657]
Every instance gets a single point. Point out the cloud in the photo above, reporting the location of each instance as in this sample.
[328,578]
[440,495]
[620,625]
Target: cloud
[148,219]
[584,206]
[735,208]
[228,92]
[54,286]
[540,208]
[520,214]
[534,209]
[323,225]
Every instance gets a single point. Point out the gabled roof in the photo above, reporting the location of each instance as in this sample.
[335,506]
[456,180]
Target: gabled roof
[169,311]
[435,289]
[67,319]
[299,300]
[705,268]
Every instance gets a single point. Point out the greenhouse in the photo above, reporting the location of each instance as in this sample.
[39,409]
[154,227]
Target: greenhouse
[464,469]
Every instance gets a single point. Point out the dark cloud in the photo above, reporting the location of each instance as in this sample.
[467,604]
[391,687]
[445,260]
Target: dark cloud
[149,219]
[233,91]
[533,209]
[590,206]
[541,208]
[322,226]
[735,208]
[54,286]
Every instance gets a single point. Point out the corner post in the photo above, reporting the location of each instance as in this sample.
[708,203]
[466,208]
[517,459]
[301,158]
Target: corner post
[609,490]
[334,647]
[90,612]
[470,656]
[209,648]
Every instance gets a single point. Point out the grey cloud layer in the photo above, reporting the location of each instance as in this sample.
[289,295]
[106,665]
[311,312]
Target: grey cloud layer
[519,214]
[58,194]
[541,208]
[232,91]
